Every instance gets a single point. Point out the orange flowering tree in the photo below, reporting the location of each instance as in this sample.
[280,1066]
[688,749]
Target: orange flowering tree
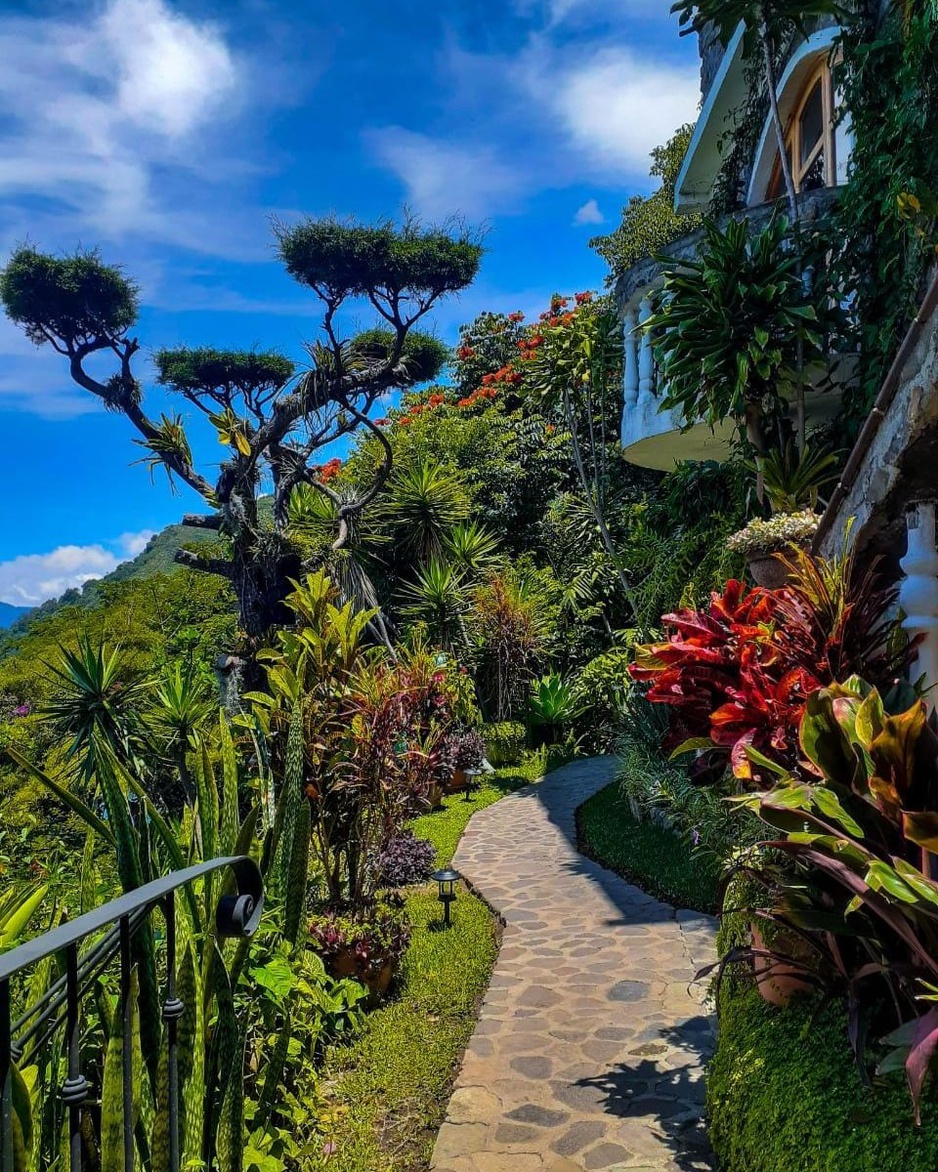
[572,361]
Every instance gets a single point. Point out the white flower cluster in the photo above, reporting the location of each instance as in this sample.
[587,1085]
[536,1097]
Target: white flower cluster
[775,534]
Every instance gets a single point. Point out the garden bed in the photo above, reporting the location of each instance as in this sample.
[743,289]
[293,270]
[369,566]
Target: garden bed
[385,1095]
[646,854]
[783,1091]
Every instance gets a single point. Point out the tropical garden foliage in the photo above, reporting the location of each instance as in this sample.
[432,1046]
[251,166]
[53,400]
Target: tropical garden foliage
[475,578]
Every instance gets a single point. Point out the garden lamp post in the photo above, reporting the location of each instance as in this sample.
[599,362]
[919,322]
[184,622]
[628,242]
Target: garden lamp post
[472,777]
[447,880]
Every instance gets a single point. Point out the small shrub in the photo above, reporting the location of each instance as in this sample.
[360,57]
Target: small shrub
[468,748]
[504,742]
[601,694]
[405,859]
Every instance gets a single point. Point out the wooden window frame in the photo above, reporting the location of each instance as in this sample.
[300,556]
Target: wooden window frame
[823,72]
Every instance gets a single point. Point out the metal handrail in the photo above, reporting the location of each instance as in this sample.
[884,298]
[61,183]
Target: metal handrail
[237,914]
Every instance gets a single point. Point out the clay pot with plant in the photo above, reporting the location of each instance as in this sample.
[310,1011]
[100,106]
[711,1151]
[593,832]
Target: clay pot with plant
[364,943]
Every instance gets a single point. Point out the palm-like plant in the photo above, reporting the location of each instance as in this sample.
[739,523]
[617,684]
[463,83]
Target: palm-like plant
[472,547]
[735,327]
[424,503]
[182,707]
[93,705]
[437,598]
[792,481]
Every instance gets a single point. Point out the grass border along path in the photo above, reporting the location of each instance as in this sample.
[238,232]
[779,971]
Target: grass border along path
[386,1093]
[652,857]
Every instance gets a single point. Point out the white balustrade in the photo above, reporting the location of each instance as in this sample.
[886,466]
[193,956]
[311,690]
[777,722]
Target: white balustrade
[646,358]
[630,342]
[918,594]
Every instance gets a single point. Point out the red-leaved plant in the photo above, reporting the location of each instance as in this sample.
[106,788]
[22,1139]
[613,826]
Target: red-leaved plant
[738,674]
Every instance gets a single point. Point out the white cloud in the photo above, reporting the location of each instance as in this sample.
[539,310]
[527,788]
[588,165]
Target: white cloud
[94,108]
[615,105]
[589,213]
[133,543]
[31,579]
[443,178]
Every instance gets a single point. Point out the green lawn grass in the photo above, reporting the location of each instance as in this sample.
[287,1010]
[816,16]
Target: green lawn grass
[385,1094]
[649,856]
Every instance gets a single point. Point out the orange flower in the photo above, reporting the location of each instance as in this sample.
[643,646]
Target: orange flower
[516,316]
[583,298]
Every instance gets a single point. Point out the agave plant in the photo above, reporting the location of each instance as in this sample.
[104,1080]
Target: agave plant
[552,706]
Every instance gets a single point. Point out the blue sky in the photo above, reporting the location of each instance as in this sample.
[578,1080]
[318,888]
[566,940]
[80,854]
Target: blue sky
[169,132]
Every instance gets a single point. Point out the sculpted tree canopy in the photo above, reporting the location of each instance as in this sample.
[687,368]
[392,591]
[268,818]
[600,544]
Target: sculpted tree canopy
[271,416]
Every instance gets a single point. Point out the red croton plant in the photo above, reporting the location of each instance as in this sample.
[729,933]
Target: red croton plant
[738,673]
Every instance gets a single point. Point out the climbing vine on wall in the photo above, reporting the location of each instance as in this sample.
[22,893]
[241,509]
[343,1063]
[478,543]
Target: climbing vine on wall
[889,79]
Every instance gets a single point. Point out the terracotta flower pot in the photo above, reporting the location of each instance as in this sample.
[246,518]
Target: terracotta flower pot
[457,782]
[376,980]
[777,981]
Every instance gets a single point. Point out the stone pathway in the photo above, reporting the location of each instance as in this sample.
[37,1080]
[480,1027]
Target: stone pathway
[590,1046]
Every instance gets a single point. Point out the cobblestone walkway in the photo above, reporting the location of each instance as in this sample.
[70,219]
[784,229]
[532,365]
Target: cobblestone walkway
[589,1049]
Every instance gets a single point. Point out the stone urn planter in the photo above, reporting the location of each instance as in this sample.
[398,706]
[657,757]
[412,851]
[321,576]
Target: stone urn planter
[765,543]
[776,981]
[767,569]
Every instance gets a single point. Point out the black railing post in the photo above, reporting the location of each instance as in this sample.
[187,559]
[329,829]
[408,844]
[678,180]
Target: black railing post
[173,1010]
[75,1088]
[127,1043]
[6,1081]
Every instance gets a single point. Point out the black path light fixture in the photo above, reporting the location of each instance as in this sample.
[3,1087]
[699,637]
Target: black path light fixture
[472,779]
[447,880]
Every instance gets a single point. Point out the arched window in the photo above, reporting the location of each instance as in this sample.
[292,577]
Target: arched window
[818,144]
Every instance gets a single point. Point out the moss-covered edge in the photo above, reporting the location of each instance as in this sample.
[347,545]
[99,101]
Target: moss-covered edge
[784,1092]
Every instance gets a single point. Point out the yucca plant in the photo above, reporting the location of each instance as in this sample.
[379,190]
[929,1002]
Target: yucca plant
[437,598]
[423,503]
[93,704]
[472,547]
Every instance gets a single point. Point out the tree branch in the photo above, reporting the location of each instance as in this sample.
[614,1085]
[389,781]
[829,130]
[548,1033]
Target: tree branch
[201,521]
[185,557]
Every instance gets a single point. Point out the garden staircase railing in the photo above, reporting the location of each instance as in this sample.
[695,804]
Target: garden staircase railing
[109,931]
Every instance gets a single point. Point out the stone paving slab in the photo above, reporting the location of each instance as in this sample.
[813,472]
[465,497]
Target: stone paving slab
[590,1046]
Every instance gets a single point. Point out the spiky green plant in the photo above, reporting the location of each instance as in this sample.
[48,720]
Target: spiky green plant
[437,598]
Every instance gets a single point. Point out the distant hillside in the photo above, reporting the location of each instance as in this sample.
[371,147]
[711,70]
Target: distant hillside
[9,614]
[156,558]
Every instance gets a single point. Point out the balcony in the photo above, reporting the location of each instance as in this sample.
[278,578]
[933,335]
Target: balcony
[656,438]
